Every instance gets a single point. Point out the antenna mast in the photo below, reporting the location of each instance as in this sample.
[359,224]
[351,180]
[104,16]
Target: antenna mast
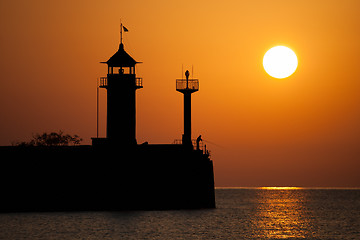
[121,29]
[182,71]
[97,108]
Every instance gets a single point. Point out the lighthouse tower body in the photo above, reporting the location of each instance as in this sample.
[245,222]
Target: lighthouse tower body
[121,84]
[187,87]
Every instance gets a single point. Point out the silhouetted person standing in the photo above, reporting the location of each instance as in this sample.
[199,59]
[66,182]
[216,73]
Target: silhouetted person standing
[198,142]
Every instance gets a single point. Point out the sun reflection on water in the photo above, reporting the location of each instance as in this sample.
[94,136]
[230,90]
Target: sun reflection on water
[280,188]
[281,213]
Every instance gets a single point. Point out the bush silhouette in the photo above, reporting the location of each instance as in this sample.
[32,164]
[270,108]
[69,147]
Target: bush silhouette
[52,139]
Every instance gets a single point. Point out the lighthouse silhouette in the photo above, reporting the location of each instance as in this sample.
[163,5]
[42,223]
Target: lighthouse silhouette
[187,87]
[121,84]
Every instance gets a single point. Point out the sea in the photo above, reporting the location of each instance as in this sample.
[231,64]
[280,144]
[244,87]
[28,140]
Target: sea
[241,213]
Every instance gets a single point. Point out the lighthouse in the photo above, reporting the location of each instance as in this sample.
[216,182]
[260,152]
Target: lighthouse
[121,84]
[187,87]
[114,173]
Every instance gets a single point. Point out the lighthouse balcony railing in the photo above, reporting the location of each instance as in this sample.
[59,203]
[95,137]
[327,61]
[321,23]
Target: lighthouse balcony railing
[190,84]
[138,83]
[104,82]
[202,146]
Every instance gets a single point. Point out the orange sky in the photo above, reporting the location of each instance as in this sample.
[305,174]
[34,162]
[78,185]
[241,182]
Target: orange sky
[300,131]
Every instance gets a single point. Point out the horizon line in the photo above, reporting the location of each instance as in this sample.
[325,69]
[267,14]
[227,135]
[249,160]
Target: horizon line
[291,188]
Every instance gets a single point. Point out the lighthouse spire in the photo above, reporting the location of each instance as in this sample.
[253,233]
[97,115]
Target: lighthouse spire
[122,28]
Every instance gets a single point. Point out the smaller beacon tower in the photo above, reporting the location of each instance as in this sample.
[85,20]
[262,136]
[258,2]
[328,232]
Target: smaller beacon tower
[121,84]
[187,87]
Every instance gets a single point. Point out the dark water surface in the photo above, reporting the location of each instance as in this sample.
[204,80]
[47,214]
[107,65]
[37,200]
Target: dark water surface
[240,214]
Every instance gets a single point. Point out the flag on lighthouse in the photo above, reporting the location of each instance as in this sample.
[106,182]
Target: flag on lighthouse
[125,29]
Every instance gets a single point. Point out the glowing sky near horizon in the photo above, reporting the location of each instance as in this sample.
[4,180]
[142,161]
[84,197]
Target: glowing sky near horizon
[302,131]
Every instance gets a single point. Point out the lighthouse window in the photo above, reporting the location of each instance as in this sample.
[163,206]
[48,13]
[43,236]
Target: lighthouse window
[121,70]
[126,70]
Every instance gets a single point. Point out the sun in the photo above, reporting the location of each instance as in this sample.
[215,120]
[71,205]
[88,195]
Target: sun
[280,62]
